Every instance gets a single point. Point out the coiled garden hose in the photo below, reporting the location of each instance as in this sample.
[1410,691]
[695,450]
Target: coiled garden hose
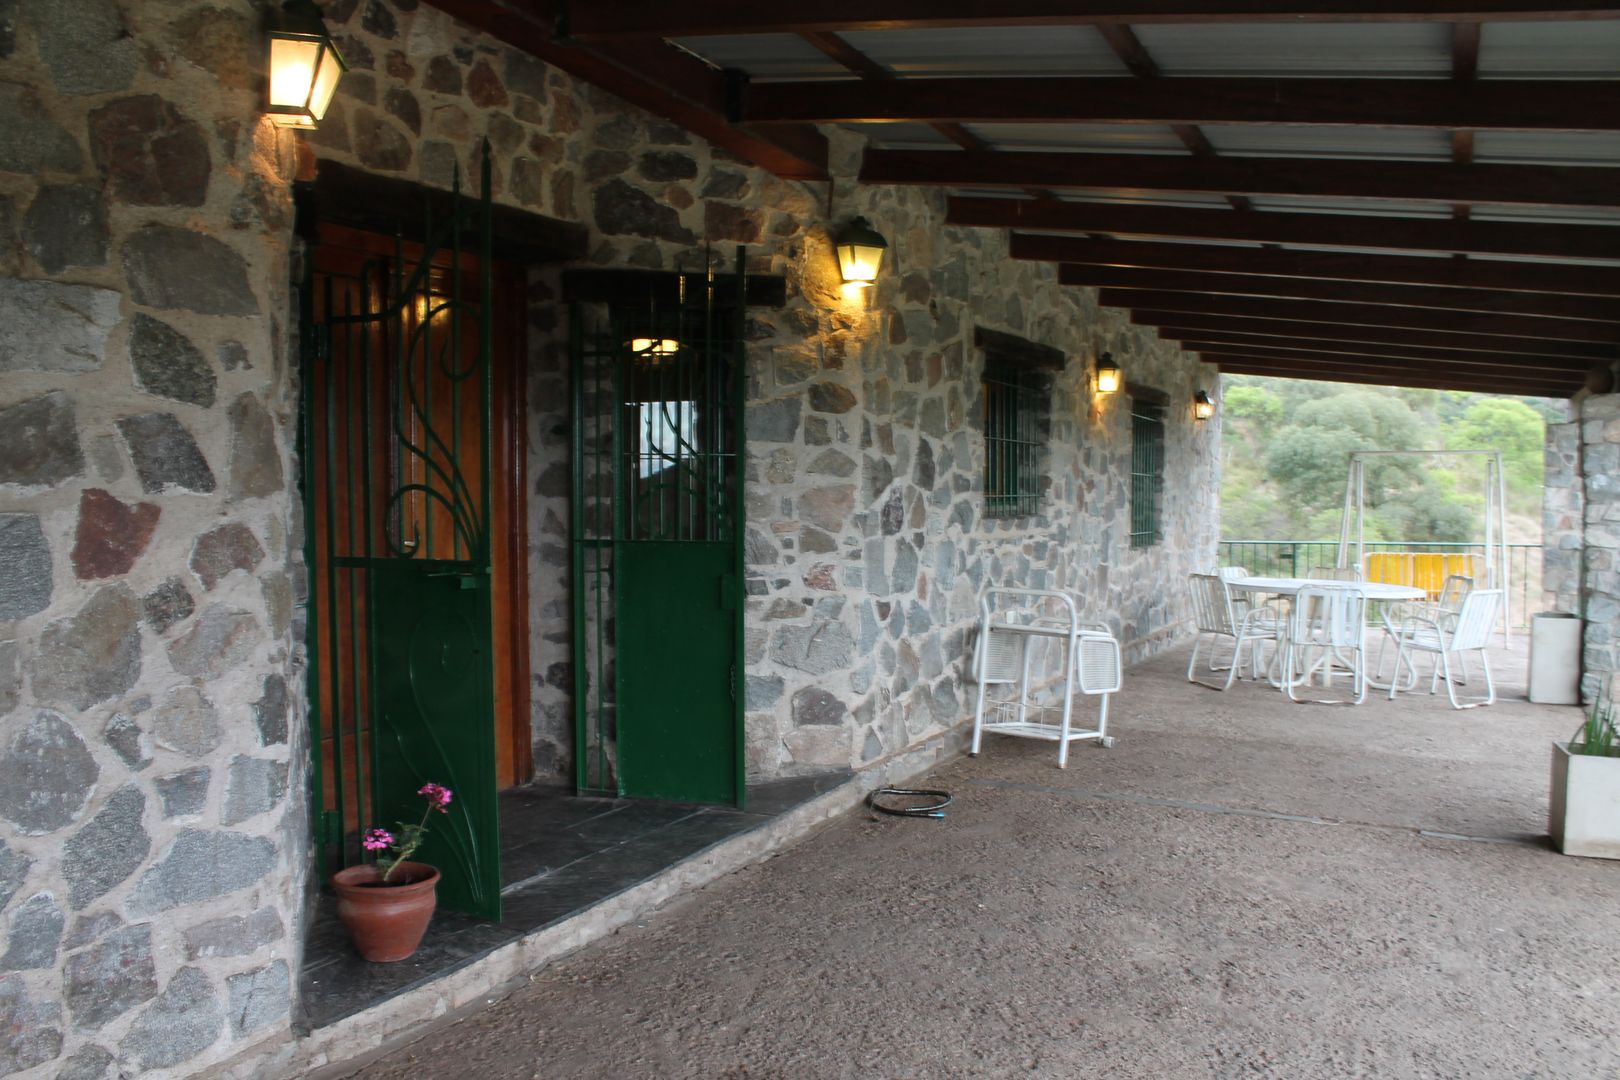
[934,809]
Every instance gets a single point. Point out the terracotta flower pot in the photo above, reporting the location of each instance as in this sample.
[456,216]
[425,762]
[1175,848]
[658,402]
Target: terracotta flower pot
[386,921]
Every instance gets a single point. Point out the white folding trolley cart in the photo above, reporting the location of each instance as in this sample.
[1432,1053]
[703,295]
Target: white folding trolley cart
[1088,663]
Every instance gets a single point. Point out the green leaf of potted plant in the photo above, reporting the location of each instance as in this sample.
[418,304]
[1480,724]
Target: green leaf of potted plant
[386,905]
[1584,807]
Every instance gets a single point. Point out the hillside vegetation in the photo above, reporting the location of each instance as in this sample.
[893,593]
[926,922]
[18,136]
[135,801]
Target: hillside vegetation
[1286,446]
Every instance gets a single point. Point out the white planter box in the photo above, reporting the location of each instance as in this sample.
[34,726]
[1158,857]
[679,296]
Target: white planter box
[1584,816]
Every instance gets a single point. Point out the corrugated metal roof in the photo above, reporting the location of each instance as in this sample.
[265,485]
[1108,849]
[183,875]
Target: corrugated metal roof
[1374,207]
[767,56]
[1303,50]
[905,136]
[1105,138]
[1397,144]
[999,50]
[1548,147]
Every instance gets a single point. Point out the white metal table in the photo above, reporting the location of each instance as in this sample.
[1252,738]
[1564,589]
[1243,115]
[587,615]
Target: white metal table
[1372,590]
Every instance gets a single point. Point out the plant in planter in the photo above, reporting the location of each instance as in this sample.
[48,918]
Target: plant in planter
[1584,817]
[386,905]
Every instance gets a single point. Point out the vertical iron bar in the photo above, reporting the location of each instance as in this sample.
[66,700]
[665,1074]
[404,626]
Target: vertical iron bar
[576,530]
[309,358]
[356,690]
[736,350]
[616,463]
[335,682]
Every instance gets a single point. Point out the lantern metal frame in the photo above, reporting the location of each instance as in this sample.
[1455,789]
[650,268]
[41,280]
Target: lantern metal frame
[1203,407]
[301,22]
[859,234]
[1106,371]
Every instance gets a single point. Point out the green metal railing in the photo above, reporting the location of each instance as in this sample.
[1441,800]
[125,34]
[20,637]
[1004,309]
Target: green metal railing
[1295,558]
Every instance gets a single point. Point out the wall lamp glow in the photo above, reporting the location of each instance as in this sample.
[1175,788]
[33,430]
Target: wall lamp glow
[305,67]
[1203,407]
[860,252]
[1108,375]
[653,351]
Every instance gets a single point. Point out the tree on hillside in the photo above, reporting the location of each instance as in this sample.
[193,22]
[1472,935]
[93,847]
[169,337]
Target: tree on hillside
[1506,425]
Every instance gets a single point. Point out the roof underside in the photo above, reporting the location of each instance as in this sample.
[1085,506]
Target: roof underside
[1413,193]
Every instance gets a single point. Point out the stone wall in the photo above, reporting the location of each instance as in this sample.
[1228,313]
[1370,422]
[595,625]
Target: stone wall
[151,860]
[1562,518]
[1600,561]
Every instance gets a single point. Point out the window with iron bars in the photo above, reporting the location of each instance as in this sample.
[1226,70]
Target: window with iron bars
[1147,473]
[1014,410]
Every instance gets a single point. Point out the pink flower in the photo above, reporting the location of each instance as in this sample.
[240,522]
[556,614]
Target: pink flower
[438,795]
[377,839]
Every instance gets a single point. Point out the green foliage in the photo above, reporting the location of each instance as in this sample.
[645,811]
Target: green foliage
[1287,445]
[1596,736]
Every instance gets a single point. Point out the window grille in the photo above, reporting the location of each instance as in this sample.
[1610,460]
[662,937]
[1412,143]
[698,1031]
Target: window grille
[1012,442]
[1147,473]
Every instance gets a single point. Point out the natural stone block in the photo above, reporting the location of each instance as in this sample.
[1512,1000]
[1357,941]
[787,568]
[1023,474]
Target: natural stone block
[165,454]
[813,705]
[819,648]
[110,535]
[10,676]
[66,225]
[379,20]
[254,786]
[278,601]
[26,583]
[774,421]
[166,605]
[108,849]
[166,363]
[378,143]
[104,982]
[226,44]
[184,793]
[259,998]
[128,741]
[726,223]
[49,326]
[13,872]
[86,1063]
[184,1021]
[224,549]
[270,711]
[177,268]
[187,723]
[39,442]
[255,463]
[30,141]
[86,45]
[93,656]
[526,75]
[484,87]
[664,166]
[762,691]
[201,865]
[725,184]
[234,935]
[828,507]
[36,932]
[443,76]
[826,397]
[27,1034]
[150,154]
[91,927]
[46,775]
[220,639]
[623,210]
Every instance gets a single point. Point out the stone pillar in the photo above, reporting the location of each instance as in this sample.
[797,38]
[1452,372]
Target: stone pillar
[1562,501]
[1600,579]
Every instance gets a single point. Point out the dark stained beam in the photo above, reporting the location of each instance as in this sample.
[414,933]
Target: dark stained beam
[1483,362]
[656,76]
[1333,230]
[637,18]
[1465,322]
[1406,181]
[1334,266]
[871,71]
[1501,104]
[1601,309]
[1401,367]
[1417,379]
[1288,348]
[1184,324]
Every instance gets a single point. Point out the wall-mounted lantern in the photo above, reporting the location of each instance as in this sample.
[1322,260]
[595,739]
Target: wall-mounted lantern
[1203,407]
[860,252]
[305,66]
[1108,376]
[653,351]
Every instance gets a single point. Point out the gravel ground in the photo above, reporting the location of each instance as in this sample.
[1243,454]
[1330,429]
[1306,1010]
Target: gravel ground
[1242,888]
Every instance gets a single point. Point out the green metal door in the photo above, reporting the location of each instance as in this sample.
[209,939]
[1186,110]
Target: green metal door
[657,530]
[396,476]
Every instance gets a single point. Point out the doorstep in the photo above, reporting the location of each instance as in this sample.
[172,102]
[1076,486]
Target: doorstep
[480,963]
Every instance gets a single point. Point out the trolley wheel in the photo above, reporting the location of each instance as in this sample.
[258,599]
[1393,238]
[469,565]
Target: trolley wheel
[971,754]
[1107,742]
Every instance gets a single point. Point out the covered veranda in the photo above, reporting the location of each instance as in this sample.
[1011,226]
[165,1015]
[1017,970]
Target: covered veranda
[1242,887]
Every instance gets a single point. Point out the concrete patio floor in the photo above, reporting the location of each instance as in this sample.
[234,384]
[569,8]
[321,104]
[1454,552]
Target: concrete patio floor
[1243,887]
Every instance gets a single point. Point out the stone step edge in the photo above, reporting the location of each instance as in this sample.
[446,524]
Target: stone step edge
[333,1051]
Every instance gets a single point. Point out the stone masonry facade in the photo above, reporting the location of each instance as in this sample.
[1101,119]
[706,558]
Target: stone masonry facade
[154,861]
[1587,556]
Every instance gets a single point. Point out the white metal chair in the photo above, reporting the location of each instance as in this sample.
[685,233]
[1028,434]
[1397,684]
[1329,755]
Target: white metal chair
[1004,654]
[1471,632]
[1327,630]
[1214,614]
[1443,610]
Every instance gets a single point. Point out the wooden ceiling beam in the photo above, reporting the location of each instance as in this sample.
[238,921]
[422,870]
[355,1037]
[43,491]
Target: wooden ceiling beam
[1288,348]
[1328,230]
[1328,178]
[1466,322]
[1600,309]
[1289,330]
[1399,368]
[1499,104]
[1530,277]
[1421,380]
[635,18]
[1484,362]
[655,75]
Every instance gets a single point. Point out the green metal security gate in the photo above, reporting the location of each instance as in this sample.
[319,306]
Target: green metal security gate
[657,546]
[396,449]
